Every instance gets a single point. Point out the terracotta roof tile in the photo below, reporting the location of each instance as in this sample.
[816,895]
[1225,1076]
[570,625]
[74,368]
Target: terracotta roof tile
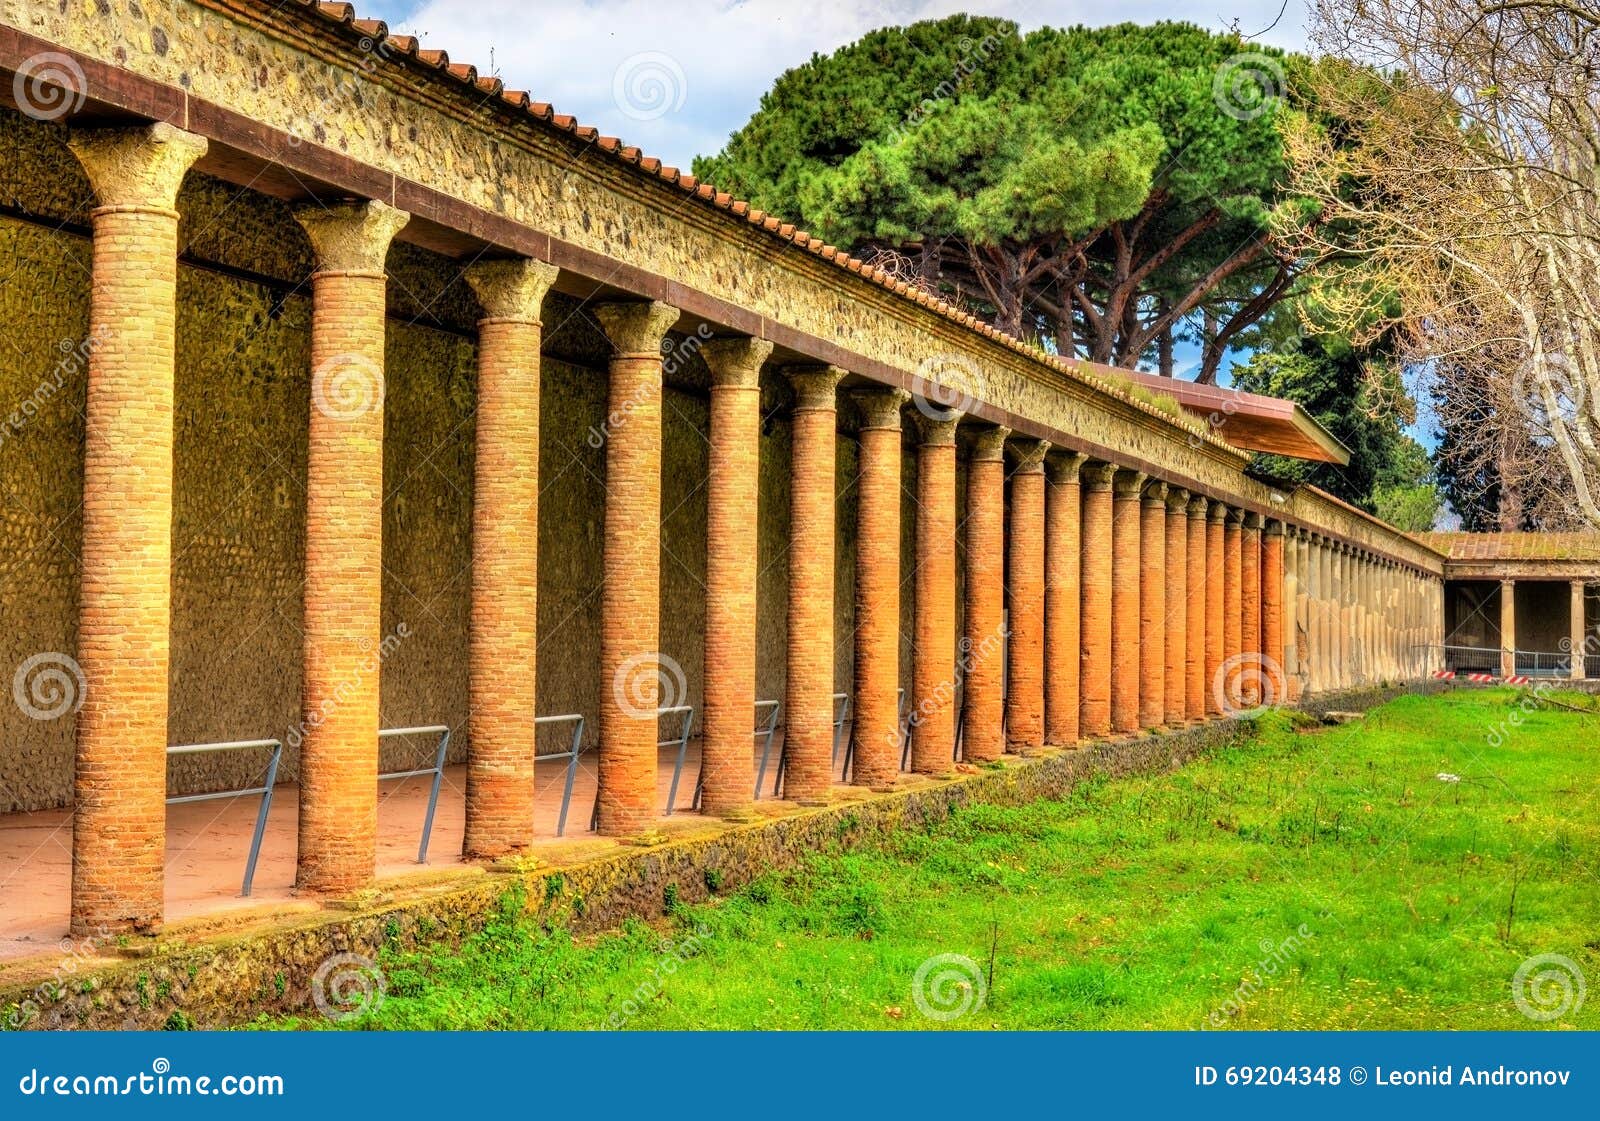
[343,13]
[1515,546]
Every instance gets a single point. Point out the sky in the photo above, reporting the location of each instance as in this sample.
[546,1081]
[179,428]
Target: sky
[675,77]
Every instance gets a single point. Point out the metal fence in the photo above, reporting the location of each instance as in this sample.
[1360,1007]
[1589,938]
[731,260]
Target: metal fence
[265,790]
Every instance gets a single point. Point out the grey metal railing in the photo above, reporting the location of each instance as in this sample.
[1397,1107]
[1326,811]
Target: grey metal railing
[570,755]
[437,771]
[769,729]
[682,742]
[265,790]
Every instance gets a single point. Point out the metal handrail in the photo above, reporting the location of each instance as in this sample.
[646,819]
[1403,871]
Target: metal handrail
[769,729]
[265,790]
[682,740]
[437,771]
[570,755]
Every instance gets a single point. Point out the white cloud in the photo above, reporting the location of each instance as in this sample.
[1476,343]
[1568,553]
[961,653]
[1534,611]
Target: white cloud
[714,58]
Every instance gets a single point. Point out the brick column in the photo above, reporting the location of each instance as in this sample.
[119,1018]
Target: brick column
[808,696]
[875,728]
[1307,611]
[1314,617]
[1194,654]
[344,545]
[1250,608]
[630,597]
[728,764]
[1176,670]
[1233,588]
[1341,619]
[502,629]
[1126,581]
[119,824]
[1575,629]
[1508,628]
[1025,581]
[1291,597]
[1094,668]
[933,669]
[1153,606]
[1216,576]
[983,734]
[1274,684]
[1063,521]
[1330,640]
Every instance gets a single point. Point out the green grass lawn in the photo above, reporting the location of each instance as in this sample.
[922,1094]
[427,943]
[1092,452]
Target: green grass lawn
[1317,878]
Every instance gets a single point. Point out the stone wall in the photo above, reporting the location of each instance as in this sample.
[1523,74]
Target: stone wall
[239,510]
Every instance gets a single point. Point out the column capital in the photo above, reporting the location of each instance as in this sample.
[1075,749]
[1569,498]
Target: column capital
[511,289]
[989,444]
[814,386]
[936,431]
[1028,455]
[1235,515]
[1098,476]
[735,363]
[1253,520]
[1274,528]
[351,236]
[635,328]
[1065,468]
[1198,505]
[1217,512]
[1128,484]
[1177,499]
[136,168]
[880,406]
[1155,494]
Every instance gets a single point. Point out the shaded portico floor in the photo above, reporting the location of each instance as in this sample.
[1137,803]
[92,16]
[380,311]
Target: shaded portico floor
[208,842]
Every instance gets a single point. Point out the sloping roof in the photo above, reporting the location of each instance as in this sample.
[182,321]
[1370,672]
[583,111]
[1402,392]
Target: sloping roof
[1250,422]
[1583,547]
